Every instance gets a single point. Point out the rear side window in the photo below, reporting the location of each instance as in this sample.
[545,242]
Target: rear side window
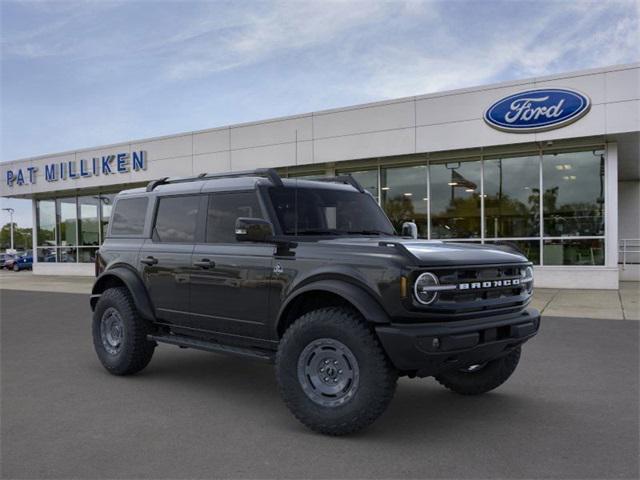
[176,219]
[128,216]
[224,209]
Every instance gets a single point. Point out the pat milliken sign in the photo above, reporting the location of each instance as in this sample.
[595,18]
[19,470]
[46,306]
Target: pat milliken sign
[537,110]
[117,163]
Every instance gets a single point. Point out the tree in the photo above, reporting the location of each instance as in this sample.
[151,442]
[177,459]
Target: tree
[22,237]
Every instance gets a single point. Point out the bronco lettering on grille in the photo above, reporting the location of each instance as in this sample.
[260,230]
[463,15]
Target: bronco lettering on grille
[510,282]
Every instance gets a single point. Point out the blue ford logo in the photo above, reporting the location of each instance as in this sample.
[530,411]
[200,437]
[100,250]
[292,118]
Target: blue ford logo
[537,110]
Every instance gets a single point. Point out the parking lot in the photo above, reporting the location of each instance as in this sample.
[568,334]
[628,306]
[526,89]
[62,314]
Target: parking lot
[569,411]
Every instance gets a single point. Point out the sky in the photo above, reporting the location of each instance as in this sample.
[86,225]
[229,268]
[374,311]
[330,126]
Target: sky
[86,73]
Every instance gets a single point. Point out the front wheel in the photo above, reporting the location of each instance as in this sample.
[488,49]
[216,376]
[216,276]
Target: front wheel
[332,372]
[482,378]
[120,334]
[16,268]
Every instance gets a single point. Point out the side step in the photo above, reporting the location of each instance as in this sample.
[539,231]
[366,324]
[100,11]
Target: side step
[188,342]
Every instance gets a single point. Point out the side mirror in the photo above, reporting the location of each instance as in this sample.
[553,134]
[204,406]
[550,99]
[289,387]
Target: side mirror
[253,230]
[409,229]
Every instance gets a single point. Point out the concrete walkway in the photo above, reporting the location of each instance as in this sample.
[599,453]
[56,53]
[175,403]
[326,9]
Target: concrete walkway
[623,304]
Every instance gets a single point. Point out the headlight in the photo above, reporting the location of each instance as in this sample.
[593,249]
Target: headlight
[426,288]
[527,279]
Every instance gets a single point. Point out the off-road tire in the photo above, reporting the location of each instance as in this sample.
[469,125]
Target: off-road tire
[135,351]
[377,377]
[489,377]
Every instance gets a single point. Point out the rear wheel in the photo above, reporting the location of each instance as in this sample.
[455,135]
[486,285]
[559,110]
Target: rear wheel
[120,334]
[481,378]
[332,372]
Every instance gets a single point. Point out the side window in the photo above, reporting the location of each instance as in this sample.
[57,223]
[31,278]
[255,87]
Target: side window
[176,219]
[128,216]
[224,209]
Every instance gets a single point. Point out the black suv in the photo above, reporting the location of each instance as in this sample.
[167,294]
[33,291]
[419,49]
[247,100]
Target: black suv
[309,275]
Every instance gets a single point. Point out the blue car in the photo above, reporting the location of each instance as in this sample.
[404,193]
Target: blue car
[23,262]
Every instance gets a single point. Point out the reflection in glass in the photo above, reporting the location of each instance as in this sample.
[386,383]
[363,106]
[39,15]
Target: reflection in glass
[574,252]
[367,178]
[573,198]
[529,248]
[88,220]
[404,196]
[87,254]
[512,197]
[67,254]
[47,254]
[455,200]
[46,220]
[67,221]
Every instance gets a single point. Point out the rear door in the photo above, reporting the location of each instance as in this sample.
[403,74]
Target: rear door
[230,281]
[166,257]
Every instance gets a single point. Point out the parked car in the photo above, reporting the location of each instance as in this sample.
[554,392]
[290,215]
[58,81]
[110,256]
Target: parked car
[23,262]
[7,260]
[310,276]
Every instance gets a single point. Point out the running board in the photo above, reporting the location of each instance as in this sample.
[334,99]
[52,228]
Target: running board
[188,342]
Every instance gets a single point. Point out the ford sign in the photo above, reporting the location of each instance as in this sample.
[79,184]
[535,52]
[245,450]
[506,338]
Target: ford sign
[537,110]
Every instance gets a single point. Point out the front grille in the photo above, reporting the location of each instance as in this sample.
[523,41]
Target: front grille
[484,291]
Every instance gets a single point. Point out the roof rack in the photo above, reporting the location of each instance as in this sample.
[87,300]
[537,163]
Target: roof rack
[270,173]
[346,179]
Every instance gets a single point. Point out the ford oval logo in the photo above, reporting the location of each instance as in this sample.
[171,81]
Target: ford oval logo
[537,110]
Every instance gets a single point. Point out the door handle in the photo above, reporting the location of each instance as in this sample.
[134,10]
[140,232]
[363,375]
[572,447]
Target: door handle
[204,263]
[149,260]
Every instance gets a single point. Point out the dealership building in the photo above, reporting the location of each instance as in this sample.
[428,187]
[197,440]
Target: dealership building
[550,165]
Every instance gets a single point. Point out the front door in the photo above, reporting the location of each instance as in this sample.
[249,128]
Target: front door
[230,281]
[166,258]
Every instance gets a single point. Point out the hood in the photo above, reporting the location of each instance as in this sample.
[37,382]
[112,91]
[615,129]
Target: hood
[437,253]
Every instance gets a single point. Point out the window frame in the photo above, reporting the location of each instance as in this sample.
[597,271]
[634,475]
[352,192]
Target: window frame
[208,196]
[197,234]
[142,234]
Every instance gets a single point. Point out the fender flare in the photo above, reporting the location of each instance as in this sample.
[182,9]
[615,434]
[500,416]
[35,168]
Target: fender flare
[363,301]
[133,282]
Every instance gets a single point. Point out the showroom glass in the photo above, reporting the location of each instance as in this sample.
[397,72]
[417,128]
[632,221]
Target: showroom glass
[455,199]
[404,196]
[327,211]
[512,197]
[223,211]
[128,217]
[573,194]
[46,222]
[176,219]
[67,221]
[574,251]
[88,222]
[367,178]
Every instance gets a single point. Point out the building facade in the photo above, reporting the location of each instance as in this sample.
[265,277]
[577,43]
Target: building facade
[550,165]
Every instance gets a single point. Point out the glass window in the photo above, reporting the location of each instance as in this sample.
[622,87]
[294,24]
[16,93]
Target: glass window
[529,248]
[404,196]
[455,200]
[224,209]
[67,221]
[327,211]
[88,221]
[574,252]
[512,197]
[67,254]
[573,199]
[47,254]
[129,215]
[176,219]
[367,178]
[46,218]
[87,254]
[106,204]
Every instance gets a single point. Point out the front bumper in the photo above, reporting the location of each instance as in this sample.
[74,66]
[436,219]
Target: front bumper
[428,349]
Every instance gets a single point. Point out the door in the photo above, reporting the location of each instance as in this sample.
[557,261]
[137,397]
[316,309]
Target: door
[230,279]
[166,257]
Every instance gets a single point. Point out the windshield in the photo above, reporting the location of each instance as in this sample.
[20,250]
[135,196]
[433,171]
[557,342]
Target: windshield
[324,211]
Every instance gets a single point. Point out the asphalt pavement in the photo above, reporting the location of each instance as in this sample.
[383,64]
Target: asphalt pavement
[569,411]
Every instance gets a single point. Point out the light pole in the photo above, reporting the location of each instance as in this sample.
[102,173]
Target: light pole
[11,212]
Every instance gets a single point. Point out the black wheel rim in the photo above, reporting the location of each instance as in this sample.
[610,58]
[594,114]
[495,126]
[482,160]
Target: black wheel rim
[328,372]
[111,331]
